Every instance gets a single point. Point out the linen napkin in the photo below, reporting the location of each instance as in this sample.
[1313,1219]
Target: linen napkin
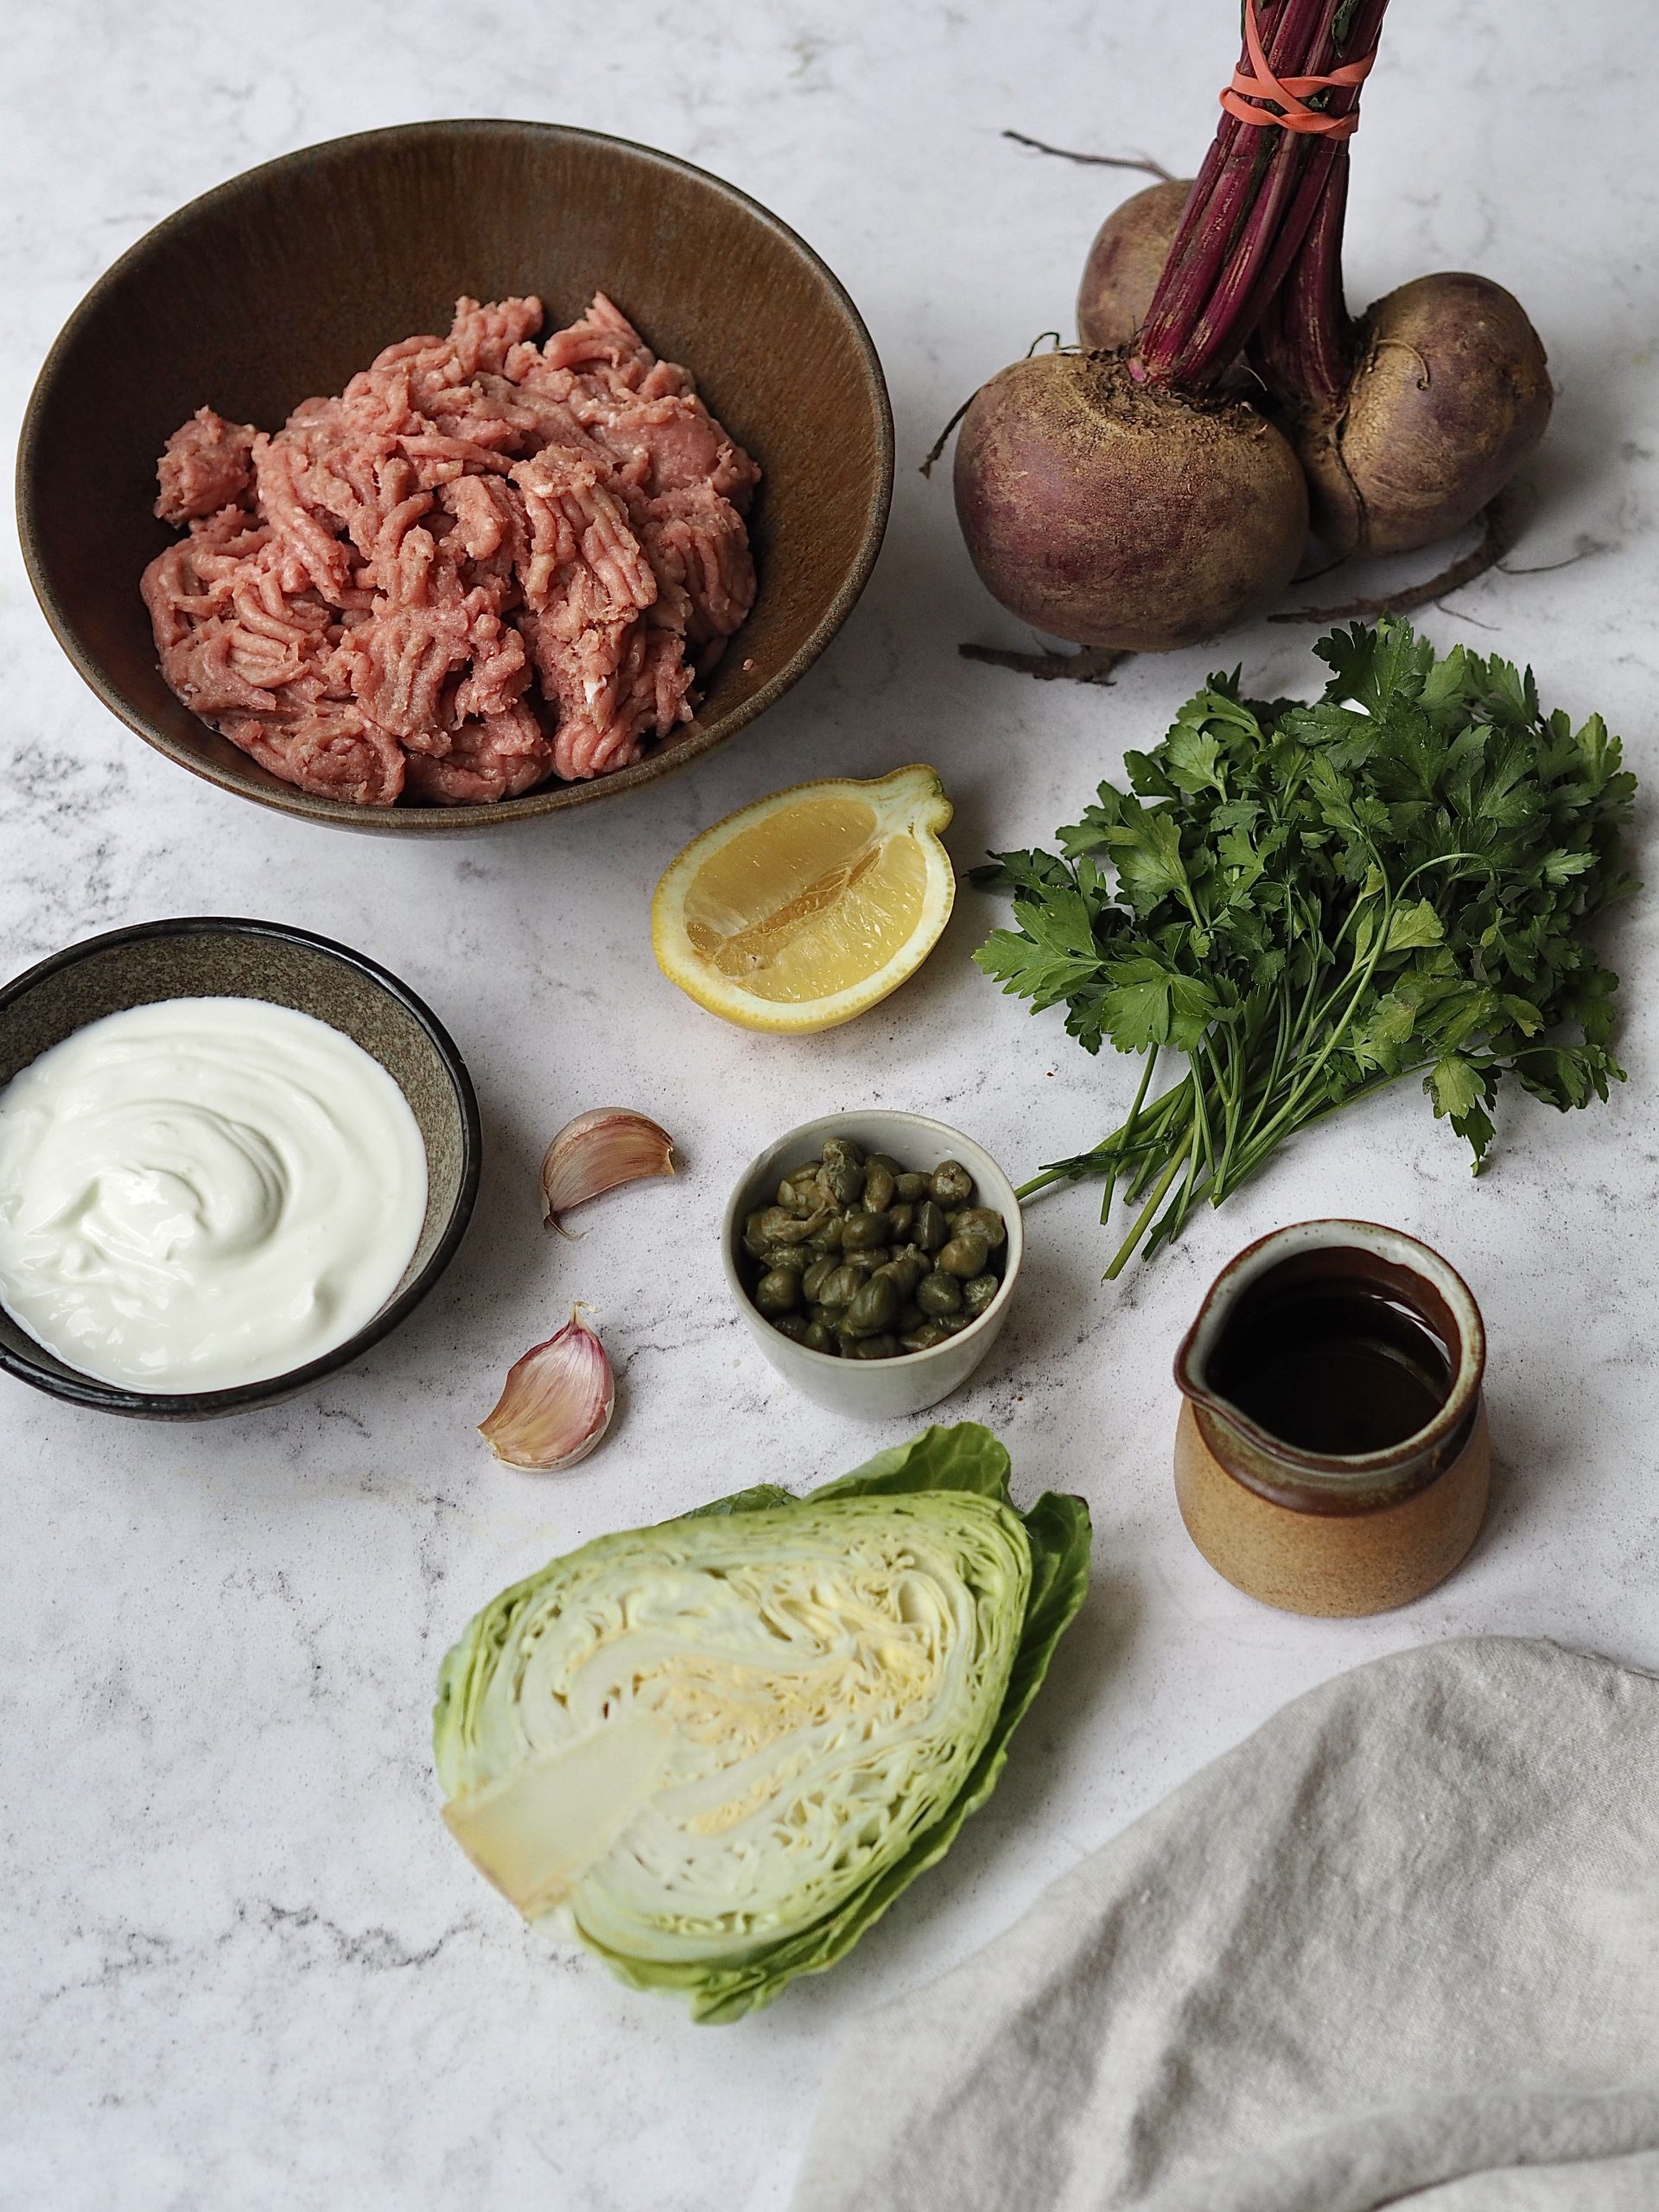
[1401,1946]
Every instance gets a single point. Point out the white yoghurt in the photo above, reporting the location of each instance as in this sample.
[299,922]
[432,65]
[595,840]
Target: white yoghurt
[203,1193]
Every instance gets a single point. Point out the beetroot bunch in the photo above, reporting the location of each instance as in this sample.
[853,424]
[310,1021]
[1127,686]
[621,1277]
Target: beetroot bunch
[1155,485]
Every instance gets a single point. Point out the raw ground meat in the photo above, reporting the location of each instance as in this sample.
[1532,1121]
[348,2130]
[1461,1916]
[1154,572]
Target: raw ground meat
[485,563]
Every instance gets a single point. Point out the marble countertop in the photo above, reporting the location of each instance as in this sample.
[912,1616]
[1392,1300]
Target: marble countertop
[244,1965]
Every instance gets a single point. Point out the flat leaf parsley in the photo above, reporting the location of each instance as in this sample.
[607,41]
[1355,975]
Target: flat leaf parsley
[1309,902]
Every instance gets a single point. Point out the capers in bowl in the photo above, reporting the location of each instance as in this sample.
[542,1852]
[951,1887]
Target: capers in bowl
[861,1257]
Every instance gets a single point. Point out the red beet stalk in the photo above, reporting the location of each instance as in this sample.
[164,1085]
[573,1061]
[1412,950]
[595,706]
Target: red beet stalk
[1255,201]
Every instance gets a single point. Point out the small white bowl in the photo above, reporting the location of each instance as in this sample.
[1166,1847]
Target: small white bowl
[876,1390]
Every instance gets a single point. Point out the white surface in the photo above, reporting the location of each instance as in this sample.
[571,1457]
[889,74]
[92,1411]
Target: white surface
[245,1966]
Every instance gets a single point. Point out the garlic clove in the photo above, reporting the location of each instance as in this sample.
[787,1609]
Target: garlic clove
[596,1152]
[556,1402]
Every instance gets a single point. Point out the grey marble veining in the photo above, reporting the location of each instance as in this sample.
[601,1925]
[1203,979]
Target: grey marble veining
[242,1965]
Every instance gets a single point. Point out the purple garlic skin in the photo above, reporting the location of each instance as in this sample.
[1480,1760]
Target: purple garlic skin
[556,1402]
[597,1152]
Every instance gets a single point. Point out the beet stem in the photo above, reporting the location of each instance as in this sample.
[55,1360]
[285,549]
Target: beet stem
[1256,200]
[1306,341]
[1305,344]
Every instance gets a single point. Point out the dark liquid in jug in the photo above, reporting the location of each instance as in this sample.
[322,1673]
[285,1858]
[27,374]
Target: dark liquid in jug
[1335,1365]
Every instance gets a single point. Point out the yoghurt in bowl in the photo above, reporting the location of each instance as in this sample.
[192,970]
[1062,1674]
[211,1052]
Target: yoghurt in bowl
[233,1157]
[203,1193]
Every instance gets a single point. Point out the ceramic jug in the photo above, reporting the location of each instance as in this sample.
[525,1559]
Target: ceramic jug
[1285,1517]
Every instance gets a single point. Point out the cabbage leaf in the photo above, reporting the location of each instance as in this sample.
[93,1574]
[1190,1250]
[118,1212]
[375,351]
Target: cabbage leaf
[717,1749]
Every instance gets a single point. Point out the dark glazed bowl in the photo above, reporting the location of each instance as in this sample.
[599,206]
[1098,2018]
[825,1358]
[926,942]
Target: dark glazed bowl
[284,281]
[208,958]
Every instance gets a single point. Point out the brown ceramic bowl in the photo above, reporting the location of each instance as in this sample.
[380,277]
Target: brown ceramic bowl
[284,281]
[207,956]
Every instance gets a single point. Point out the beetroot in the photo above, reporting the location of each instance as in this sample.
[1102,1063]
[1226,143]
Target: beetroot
[1411,419]
[1121,499]
[1125,263]
[1114,514]
[1451,393]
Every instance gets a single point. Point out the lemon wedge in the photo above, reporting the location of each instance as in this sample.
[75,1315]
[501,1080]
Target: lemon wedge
[806,908]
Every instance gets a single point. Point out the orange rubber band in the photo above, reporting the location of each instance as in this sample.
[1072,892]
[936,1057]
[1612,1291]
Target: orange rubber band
[1259,83]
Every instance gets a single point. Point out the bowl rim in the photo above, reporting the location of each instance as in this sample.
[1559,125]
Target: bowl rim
[242,1397]
[908,1360]
[549,798]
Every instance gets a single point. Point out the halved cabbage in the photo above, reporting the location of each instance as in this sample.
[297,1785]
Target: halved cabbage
[714,1750]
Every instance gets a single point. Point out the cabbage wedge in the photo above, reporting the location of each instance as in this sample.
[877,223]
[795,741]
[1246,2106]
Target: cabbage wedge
[715,1751]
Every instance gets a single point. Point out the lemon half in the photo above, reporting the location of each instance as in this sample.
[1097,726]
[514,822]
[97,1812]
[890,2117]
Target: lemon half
[806,908]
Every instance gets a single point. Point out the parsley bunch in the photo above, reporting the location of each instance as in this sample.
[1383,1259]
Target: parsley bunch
[1309,902]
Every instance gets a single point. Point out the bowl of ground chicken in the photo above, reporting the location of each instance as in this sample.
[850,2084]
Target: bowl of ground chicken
[446,474]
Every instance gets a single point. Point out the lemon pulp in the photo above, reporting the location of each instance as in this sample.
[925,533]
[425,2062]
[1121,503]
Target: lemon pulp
[803,910]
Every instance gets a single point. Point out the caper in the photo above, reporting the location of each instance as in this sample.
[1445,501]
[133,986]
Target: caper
[951,1185]
[980,1221]
[911,1188]
[884,1159]
[827,1237]
[796,1257]
[779,1291]
[843,1172]
[816,1337]
[839,1288]
[862,1232]
[875,1308]
[911,1317]
[881,1347]
[778,1227]
[939,1294]
[954,1323]
[792,1325]
[754,1242]
[879,1187]
[964,1256]
[900,1219]
[978,1292]
[906,1267]
[823,1317]
[816,1277]
[931,1228]
[845,1185]
[924,1339]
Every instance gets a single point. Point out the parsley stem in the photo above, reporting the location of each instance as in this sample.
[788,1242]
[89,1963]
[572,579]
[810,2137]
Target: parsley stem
[1253,1156]
[1200,1105]
[1125,1250]
[1316,1066]
[1127,1135]
[1109,1152]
